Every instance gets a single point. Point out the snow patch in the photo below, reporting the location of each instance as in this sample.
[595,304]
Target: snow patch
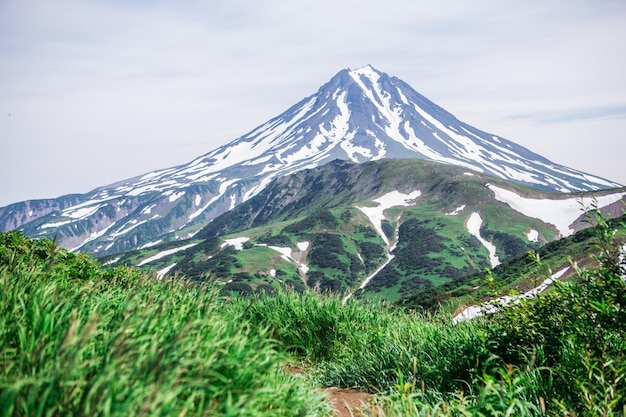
[165,253]
[303,245]
[161,272]
[176,196]
[150,244]
[384,202]
[111,262]
[148,209]
[237,242]
[93,236]
[82,212]
[532,235]
[57,224]
[473,226]
[286,254]
[456,211]
[561,213]
[496,304]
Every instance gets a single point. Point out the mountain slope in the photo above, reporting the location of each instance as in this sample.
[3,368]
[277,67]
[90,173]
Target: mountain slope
[359,115]
[390,227]
[521,274]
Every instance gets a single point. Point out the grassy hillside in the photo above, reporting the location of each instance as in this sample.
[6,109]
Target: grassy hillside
[519,274]
[77,339]
[330,228]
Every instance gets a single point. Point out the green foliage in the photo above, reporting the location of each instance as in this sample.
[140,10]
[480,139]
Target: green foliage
[275,240]
[326,251]
[522,271]
[94,345]
[322,218]
[373,254]
[580,328]
[370,345]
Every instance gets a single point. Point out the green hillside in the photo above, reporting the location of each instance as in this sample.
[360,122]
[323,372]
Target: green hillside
[520,274]
[312,230]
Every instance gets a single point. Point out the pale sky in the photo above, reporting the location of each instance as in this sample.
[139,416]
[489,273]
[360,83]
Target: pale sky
[93,92]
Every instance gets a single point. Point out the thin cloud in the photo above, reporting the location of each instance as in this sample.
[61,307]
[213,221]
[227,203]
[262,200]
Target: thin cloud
[613,112]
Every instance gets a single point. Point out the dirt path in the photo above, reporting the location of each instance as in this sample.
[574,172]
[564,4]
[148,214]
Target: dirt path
[345,402]
[348,402]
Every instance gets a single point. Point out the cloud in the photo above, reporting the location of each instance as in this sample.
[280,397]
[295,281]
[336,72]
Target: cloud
[612,112]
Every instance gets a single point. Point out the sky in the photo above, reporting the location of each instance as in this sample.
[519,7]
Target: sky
[94,92]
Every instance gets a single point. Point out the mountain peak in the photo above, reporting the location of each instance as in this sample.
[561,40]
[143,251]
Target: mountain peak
[367,70]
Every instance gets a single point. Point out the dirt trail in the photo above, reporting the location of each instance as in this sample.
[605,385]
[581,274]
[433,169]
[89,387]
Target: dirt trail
[348,402]
[345,402]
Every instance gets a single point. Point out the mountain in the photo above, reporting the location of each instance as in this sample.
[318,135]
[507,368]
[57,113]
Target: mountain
[390,228]
[359,115]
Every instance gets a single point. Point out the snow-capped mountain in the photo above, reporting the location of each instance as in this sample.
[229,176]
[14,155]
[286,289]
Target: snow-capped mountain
[359,115]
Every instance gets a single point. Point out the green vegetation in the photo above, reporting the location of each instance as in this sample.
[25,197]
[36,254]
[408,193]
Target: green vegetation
[516,275]
[78,339]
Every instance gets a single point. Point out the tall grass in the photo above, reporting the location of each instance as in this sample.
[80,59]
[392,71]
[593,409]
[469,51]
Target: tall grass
[102,347]
[371,345]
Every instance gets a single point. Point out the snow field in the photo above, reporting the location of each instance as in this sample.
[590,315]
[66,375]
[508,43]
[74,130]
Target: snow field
[561,213]
[497,303]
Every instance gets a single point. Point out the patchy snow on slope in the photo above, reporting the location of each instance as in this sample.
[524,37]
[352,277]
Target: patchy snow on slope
[175,196]
[57,224]
[93,236]
[456,211]
[82,212]
[473,226]
[223,188]
[561,213]
[112,261]
[161,272]
[303,245]
[532,235]
[392,199]
[286,254]
[497,303]
[125,228]
[237,242]
[148,209]
[165,253]
[150,244]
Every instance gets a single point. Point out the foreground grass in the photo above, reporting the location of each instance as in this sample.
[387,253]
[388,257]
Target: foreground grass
[76,339]
[130,345]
